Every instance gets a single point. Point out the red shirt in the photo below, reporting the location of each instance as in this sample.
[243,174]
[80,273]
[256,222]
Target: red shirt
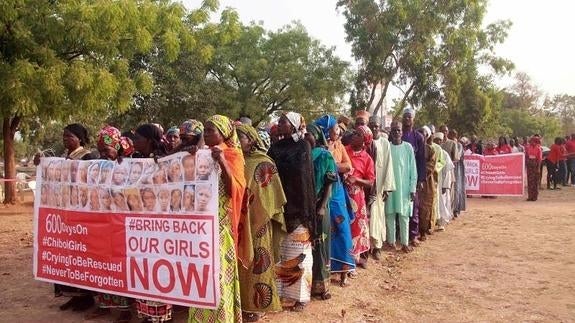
[554,154]
[533,152]
[490,151]
[504,149]
[563,153]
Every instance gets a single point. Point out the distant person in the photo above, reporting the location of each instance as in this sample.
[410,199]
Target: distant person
[534,156]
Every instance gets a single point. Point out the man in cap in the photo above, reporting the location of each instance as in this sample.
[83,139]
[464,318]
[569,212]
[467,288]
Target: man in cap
[444,186]
[399,204]
[384,183]
[416,140]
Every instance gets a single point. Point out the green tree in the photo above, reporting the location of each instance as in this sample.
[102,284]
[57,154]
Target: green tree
[68,58]
[414,45]
[262,72]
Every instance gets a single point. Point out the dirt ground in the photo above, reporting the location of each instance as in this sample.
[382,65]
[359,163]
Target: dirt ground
[504,260]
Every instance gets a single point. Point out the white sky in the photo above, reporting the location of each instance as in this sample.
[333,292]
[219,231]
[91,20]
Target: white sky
[539,42]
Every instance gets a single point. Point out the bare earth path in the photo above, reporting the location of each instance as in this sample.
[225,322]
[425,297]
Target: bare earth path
[505,260]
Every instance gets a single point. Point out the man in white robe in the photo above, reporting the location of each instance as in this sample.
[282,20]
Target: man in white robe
[445,184]
[384,183]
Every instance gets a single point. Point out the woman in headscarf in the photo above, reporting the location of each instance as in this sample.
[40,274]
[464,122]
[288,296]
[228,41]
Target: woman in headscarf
[191,135]
[325,174]
[342,260]
[360,178]
[148,143]
[263,212]
[75,138]
[293,159]
[534,157]
[173,139]
[428,193]
[112,146]
[220,136]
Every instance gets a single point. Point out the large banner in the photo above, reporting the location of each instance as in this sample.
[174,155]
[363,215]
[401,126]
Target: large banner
[498,175]
[140,228]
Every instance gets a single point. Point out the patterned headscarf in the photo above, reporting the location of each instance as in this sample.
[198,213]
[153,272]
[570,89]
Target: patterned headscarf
[366,133]
[325,123]
[173,130]
[253,136]
[112,137]
[298,123]
[265,138]
[317,134]
[191,127]
[226,127]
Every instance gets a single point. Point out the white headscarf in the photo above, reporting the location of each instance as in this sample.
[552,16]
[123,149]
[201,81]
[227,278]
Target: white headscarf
[298,123]
[439,135]
[426,132]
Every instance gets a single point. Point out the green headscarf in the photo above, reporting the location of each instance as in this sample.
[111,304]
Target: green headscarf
[253,136]
[227,129]
[317,134]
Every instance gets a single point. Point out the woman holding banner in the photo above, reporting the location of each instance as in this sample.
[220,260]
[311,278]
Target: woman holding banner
[220,136]
[75,137]
[112,146]
[266,220]
[148,144]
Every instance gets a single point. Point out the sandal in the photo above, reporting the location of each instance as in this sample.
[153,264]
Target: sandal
[250,317]
[406,249]
[322,296]
[298,307]
[352,274]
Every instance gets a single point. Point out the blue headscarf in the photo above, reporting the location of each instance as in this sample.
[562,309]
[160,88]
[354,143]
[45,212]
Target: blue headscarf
[325,123]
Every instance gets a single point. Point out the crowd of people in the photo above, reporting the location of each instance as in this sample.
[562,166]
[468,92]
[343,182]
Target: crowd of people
[302,202]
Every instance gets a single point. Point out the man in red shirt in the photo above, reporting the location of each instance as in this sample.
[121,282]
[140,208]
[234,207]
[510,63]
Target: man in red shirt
[570,147]
[553,159]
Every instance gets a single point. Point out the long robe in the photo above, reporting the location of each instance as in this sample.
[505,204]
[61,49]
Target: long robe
[263,206]
[459,196]
[294,271]
[384,182]
[399,204]
[229,208]
[445,183]
[362,167]
[428,193]
[325,173]
[438,167]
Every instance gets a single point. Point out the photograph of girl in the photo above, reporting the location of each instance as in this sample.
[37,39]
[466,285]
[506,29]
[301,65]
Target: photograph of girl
[203,197]
[175,170]
[189,197]
[105,199]
[83,171]
[133,199]
[149,199]
[204,165]
[120,174]
[106,168]
[94,173]
[164,197]
[175,200]
[136,171]
[120,204]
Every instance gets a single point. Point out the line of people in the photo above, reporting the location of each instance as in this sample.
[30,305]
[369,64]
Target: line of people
[298,202]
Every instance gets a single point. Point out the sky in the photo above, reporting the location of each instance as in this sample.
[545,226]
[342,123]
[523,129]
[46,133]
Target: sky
[539,41]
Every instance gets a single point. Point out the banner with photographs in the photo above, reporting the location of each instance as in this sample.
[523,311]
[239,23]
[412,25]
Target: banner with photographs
[140,228]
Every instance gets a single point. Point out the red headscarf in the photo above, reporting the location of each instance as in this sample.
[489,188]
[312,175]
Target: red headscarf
[366,133]
[112,137]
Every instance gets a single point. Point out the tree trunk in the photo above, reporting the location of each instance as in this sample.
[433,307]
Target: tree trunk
[9,127]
